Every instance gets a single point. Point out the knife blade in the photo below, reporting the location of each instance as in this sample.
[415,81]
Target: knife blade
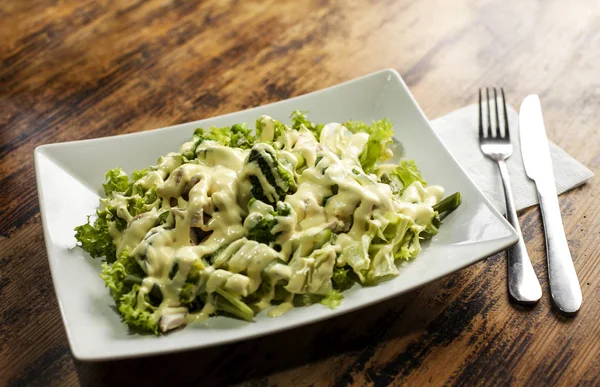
[564,285]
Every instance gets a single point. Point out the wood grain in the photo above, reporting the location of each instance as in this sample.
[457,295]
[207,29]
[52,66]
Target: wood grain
[71,70]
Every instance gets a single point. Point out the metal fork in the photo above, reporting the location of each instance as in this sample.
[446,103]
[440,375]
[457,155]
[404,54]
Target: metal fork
[523,284]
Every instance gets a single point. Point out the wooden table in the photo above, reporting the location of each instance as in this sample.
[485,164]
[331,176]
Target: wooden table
[79,69]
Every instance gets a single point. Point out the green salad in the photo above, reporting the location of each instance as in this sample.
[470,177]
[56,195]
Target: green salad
[240,220]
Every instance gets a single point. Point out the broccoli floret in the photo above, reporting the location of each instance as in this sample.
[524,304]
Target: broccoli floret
[272,180]
[265,227]
[261,231]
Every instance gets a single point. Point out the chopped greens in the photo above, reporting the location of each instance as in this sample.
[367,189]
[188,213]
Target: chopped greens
[240,220]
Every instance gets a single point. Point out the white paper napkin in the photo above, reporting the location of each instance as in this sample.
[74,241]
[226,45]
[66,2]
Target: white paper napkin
[459,132]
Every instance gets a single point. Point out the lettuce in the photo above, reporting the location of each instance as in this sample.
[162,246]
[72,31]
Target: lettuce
[138,174]
[380,137]
[268,129]
[410,246]
[114,274]
[116,181]
[241,137]
[333,299]
[398,177]
[299,120]
[408,173]
[236,136]
[357,256]
[125,292]
[136,205]
[312,274]
[137,316]
[95,238]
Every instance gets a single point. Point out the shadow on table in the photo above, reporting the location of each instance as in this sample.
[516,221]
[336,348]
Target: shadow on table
[253,359]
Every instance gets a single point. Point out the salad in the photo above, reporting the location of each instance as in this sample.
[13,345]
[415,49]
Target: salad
[239,221]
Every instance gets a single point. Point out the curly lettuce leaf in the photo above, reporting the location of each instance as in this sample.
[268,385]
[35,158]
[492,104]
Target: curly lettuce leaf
[123,278]
[116,181]
[408,173]
[299,120]
[410,246]
[137,316]
[114,274]
[235,136]
[95,238]
[380,137]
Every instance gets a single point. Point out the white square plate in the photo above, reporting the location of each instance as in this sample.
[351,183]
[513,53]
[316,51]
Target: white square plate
[69,177]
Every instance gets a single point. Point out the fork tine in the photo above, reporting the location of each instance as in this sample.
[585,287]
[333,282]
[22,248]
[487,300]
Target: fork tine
[506,128]
[489,118]
[498,132]
[481,136]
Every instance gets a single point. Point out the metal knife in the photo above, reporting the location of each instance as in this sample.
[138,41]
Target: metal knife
[564,285]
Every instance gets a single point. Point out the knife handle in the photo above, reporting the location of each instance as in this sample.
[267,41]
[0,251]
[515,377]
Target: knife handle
[564,285]
[523,284]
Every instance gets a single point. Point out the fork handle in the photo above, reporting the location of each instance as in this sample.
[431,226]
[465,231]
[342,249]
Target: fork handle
[523,284]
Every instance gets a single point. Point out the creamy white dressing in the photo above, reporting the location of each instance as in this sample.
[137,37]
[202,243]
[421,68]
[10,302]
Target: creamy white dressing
[206,204]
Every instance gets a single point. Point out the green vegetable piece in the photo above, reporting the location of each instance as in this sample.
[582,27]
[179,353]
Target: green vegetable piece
[196,304]
[380,137]
[193,276]
[321,238]
[137,316]
[95,238]
[187,294]
[410,246]
[341,278]
[269,130]
[261,225]
[116,181]
[300,119]
[114,274]
[235,136]
[357,257]
[408,173]
[132,280]
[230,304]
[307,299]
[155,295]
[448,204]
[138,174]
[275,174]
[136,205]
[333,299]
